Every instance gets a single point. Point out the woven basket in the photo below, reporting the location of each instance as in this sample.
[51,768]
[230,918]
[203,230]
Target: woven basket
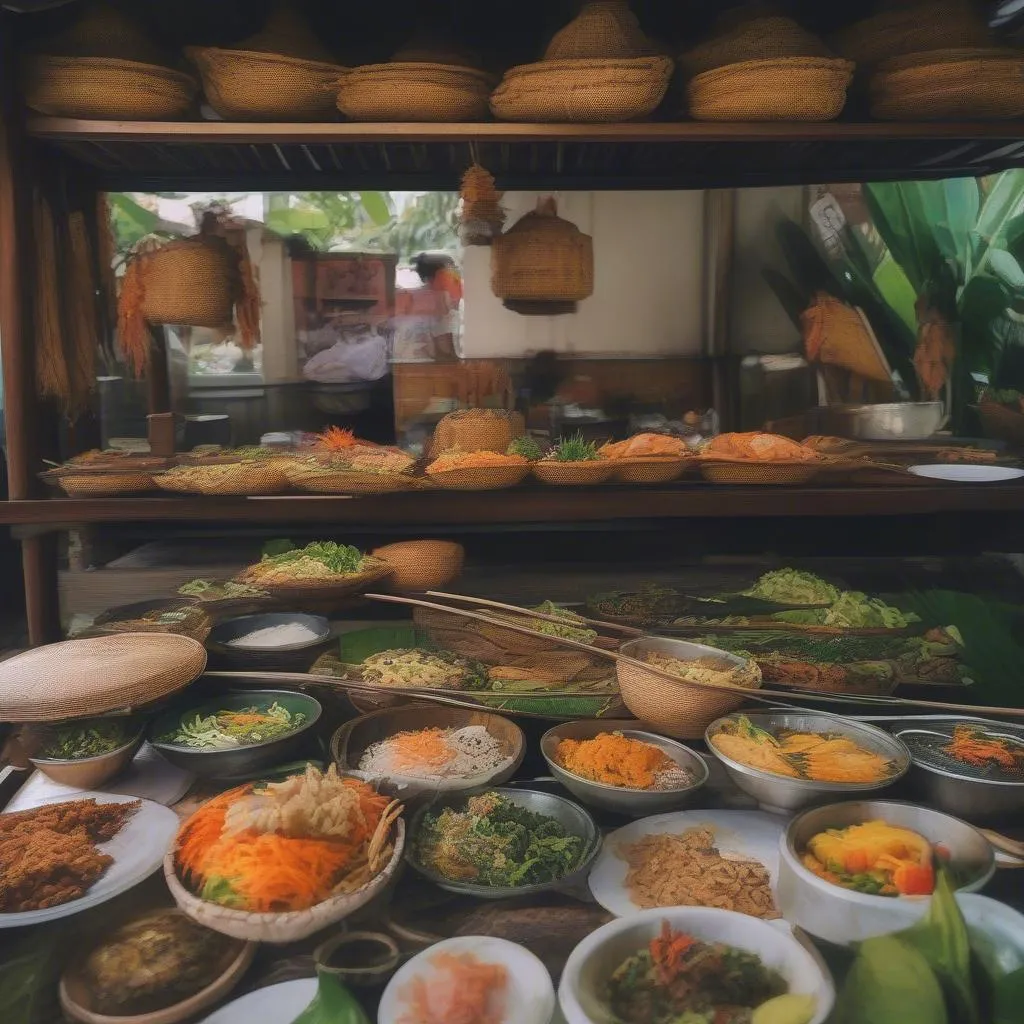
[196,624]
[106,89]
[372,572]
[757,473]
[582,91]
[913,29]
[282,927]
[753,39]
[349,482]
[477,430]
[106,485]
[422,564]
[947,84]
[573,474]
[83,678]
[189,282]
[651,470]
[680,710]
[1002,423]
[414,92]
[243,479]
[781,89]
[246,85]
[483,478]
[603,29]
[542,258]
[101,30]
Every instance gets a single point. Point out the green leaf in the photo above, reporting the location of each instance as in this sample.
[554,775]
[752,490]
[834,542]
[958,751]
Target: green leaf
[357,646]
[1006,268]
[276,547]
[376,206]
[296,220]
[896,291]
[1003,202]
[332,1004]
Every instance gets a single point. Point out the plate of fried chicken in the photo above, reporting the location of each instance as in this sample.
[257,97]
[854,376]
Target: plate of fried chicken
[65,856]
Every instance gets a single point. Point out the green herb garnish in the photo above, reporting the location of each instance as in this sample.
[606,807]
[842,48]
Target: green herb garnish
[526,447]
[86,739]
[574,449]
[339,558]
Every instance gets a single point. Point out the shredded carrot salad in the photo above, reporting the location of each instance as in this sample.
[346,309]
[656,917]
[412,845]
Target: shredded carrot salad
[459,990]
[614,760]
[457,459]
[973,747]
[339,439]
[428,748]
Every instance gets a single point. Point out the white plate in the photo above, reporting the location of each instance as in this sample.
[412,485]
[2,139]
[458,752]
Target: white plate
[965,474]
[138,851]
[275,1004]
[753,835]
[531,995]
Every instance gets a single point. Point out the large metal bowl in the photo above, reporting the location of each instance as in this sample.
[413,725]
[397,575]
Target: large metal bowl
[573,818]
[842,916]
[90,772]
[634,803]
[783,795]
[298,655]
[891,421]
[979,800]
[230,762]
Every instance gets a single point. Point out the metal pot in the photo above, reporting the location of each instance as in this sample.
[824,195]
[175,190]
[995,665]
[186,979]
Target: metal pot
[892,421]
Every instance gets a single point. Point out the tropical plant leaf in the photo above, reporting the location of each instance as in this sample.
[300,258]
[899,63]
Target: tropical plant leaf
[1003,202]
[963,206]
[357,646]
[983,304]
[376,206]
[1006,268]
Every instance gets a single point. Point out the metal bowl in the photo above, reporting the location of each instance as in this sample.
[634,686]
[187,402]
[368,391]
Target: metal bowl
[891,421]
[573,818]
[842,916]
[976,799]
[284,655]
[89,772]
[783,795]
[634,803]
[235,761]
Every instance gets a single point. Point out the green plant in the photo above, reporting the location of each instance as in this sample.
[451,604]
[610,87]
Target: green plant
[527,447]
[574,449]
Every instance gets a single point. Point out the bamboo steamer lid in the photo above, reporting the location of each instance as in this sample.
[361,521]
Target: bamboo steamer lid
[81,678]
[604,29]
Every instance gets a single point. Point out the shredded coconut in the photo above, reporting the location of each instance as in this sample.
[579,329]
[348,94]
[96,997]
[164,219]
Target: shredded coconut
[464,753]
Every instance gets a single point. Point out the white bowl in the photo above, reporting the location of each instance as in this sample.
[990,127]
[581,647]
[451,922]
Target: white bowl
[581,992]
[531,996]
[842,916]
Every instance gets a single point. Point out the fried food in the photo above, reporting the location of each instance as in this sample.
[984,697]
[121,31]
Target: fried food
[758,447]
[48,855]
[689,871]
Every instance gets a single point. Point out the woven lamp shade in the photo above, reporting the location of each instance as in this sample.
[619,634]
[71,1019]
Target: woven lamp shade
[82,678]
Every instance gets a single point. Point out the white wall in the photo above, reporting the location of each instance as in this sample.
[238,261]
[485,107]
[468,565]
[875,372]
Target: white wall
[648,280]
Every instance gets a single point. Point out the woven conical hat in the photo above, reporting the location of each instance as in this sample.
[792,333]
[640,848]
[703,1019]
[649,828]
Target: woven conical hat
[287,34]
[102,31]
[760,38]
[80,678]
[604,29]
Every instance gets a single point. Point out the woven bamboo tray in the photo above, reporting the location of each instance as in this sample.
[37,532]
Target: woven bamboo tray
[779,89]
[105,485]
[373,570]
[244,85]
[246,479]
[414,91]
[351,482]
[586,91]
[573,474]
[282,927]
[196,623]
[758,473]
[106,89]
[83,678]
[483,478]
[653,470]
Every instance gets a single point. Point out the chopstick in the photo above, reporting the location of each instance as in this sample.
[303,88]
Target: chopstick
[758,694]
[1004,843]
[530,613]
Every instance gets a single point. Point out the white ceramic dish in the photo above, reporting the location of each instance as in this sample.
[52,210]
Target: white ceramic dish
[581,991]
[138,851]
[842,916]
[531,996]
[275,1004]
[967,474]
[749,835]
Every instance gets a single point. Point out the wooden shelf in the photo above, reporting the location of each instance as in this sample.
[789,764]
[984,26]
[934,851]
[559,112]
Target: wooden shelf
[138,154]
[529,505]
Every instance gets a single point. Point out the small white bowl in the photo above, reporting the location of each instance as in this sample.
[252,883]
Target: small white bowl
[581,992]
[531,995]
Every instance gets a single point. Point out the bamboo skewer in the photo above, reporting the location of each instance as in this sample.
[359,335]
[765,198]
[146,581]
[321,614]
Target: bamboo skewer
[752,694]
[1004,843]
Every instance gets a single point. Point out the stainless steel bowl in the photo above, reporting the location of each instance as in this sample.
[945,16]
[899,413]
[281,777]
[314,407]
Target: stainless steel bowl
[892,421]
[573,818]
[842,916]
[980,800]
[777,793]
[634,803]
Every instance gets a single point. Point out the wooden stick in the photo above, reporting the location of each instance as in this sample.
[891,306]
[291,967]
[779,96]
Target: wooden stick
[530,613]
[1004,843]
[757,694]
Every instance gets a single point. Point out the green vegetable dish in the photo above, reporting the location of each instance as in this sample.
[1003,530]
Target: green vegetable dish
[90,738]
[495,842]
[225,729]
[792,586]
[679,979]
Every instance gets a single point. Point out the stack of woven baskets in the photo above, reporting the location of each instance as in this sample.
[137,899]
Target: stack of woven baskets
[599,67]
[103,66]
[425,81]
[477,430]
[281,73]
[935,61]
[542,258]
[764,68]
